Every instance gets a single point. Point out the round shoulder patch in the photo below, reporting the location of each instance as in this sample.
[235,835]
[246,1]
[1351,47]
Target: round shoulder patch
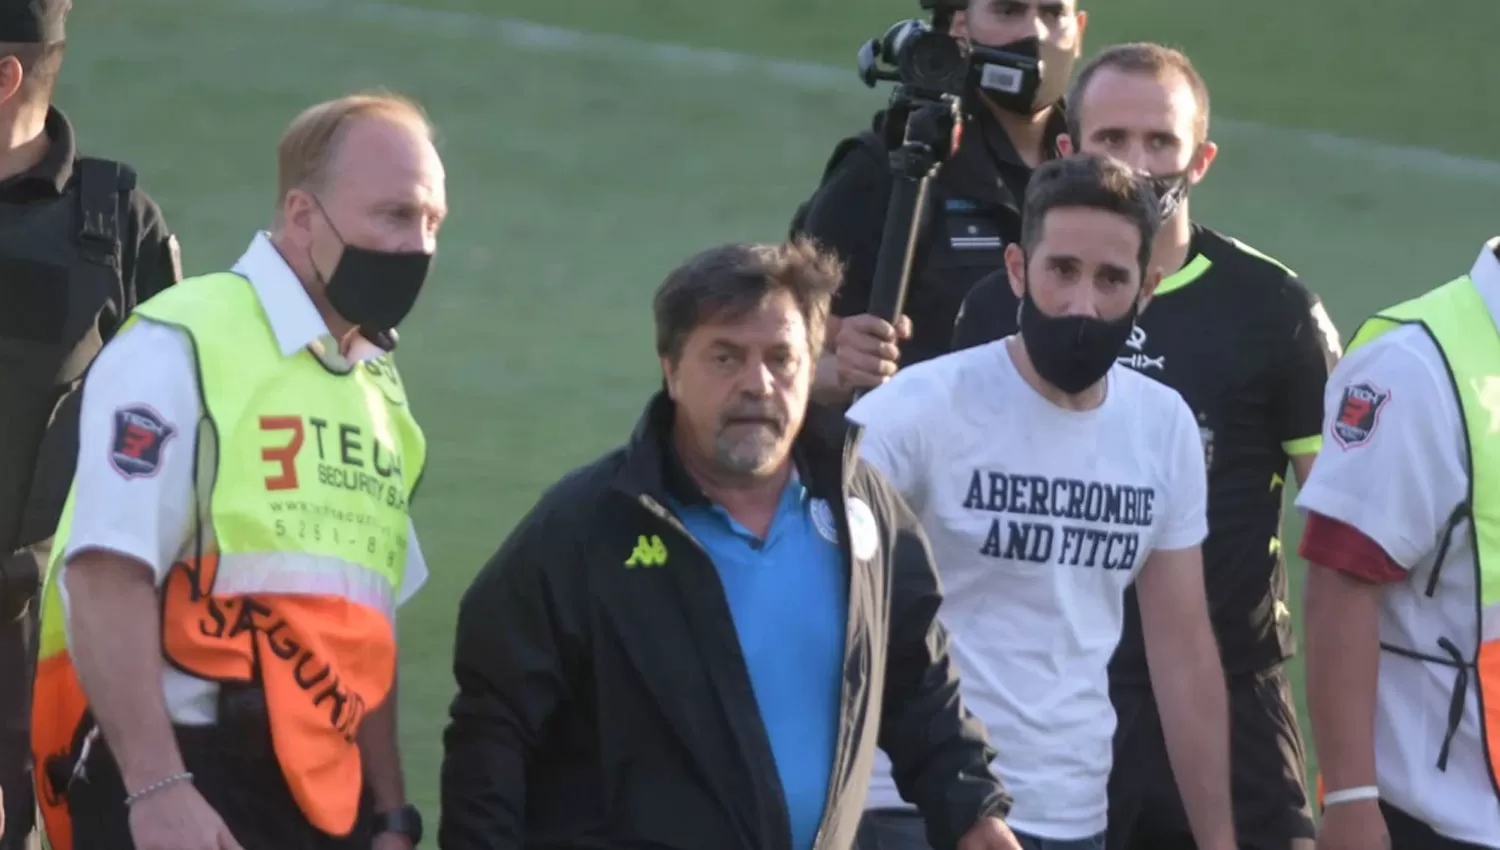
[863,532]
[822,517]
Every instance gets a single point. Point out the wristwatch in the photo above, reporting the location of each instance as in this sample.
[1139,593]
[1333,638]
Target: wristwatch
[406,821]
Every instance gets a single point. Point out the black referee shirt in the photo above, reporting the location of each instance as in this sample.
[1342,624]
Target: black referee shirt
[1249,348]
[973,213]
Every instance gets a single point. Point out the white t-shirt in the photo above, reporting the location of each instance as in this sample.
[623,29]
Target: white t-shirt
[1039,519]
[1394,466]
[148,369]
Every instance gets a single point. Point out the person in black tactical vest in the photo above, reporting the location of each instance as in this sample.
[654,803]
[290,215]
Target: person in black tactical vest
[974,204]
[80,246]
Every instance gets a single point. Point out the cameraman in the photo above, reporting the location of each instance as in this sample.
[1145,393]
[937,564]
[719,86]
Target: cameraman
[973,210]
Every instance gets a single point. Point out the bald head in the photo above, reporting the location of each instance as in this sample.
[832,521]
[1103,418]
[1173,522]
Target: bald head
[316,138]
[384,167]
[360,171]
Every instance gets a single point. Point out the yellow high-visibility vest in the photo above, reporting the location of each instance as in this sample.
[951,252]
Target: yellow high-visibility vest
[304,475]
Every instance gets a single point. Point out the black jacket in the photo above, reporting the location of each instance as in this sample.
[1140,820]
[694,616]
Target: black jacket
[606,707]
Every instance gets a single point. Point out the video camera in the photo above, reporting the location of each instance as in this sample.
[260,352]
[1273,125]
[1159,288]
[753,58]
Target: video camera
[933,72]
[924,56]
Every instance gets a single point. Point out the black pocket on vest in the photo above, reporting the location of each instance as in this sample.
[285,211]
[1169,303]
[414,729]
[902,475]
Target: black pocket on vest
[33,301]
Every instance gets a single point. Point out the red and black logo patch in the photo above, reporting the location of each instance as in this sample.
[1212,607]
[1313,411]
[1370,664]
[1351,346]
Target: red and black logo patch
[1359,414]
[140,433]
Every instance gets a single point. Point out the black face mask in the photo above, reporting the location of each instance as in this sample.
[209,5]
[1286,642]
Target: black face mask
[374,289]
[1024,77]
[1072,352]
[1172,189]
[1171,192]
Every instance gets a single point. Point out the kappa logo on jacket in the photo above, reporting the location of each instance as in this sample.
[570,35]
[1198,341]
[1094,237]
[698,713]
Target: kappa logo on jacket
[648,552]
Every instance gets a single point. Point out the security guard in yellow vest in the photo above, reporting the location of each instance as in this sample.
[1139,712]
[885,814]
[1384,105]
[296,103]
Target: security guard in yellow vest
[1403,592]
[217,659]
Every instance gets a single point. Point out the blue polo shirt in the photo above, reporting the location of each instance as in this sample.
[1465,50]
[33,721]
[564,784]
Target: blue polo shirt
[788,595]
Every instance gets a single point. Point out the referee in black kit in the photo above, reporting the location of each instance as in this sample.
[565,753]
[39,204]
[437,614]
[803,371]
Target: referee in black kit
[1249,348]
[974,203]
[79,247]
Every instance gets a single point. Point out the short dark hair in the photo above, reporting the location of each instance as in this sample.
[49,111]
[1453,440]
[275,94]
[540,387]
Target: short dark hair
[1093,181]
[40,66]
[1140,57]
[729,281]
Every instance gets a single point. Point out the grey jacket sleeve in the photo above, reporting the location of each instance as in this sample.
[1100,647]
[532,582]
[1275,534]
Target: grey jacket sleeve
[939,751]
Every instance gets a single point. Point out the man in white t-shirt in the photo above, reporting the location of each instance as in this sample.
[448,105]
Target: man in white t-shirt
[1048,480]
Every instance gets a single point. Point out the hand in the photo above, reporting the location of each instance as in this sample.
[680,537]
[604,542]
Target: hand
[866,348]
[1356,825]
[391,841]
[178,818]
[989,834]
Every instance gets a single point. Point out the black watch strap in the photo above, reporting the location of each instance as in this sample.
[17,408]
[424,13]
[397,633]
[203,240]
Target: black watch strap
[406,821]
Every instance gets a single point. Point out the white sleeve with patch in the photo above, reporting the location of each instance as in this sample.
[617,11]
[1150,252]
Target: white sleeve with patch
[133,489]
[893,442]
[1185,523]
[1392,462]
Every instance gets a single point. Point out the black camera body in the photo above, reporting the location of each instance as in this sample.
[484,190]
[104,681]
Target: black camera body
[928,61]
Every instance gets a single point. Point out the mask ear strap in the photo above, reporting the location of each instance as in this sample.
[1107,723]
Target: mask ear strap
[1025,284]
[322,279]
[318,202]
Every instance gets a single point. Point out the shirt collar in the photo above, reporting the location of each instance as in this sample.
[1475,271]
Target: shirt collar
[987,166]
[1486,277]
[294,318]
[49,177]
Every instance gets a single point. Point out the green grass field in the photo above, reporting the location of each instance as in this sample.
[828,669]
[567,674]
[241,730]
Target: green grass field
[581,170]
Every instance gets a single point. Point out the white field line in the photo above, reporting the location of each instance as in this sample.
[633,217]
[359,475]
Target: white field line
[806,75]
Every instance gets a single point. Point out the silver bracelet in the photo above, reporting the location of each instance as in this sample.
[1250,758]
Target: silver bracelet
[1350,795]
[161,785]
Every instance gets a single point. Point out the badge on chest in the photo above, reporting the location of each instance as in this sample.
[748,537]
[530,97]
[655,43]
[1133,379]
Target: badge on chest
[863,530]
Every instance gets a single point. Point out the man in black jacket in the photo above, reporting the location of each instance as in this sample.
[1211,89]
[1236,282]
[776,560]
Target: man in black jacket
[698,640]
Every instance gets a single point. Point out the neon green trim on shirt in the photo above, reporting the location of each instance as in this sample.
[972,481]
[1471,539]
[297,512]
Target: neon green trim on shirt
[1185,275]
[1304,446]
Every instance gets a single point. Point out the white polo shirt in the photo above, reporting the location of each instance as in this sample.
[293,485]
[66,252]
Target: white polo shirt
[1039,519]
[1395,472]
[149,517]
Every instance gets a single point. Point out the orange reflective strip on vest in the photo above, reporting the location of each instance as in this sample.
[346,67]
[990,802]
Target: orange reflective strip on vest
[1488,672]
[57,709]
[317,635]
[315,632]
